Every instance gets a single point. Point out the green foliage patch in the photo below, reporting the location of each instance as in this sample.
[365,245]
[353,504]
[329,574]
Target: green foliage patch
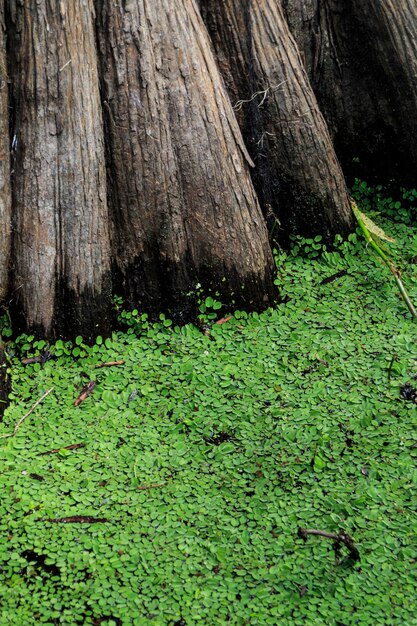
[192,464]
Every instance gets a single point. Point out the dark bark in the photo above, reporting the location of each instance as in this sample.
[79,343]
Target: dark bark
[61,252]
[5,193]
[297,172]
[182,204]
[361,58]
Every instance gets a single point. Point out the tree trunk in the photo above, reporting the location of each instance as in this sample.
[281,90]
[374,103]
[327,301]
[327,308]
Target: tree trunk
[182,204]
[128,171]
[297,172]
[361,59]
[5,193]
[61,253]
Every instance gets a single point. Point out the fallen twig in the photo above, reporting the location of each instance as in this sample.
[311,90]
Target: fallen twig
[22,419]
[73,446]
[85,392]
[154,486]
[32,359]
[110,364]
[41,358]
[223,320]
[74,519]
[36,476]
[65,65]
[333,277]
[338,538]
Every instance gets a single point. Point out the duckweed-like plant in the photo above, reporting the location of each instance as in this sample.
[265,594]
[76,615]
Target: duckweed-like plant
[173,493]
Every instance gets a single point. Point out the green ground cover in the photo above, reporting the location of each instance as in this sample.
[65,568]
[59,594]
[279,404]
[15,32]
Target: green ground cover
[205,453]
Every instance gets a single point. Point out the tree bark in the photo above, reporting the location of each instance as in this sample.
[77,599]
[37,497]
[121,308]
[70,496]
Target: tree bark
[5,192]
[182,204]
[61,252]
[128,170]
[297,172]
[361,59]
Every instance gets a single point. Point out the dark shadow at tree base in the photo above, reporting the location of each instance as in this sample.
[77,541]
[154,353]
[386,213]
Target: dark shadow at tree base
[181,305]
[85,313]
[371,163]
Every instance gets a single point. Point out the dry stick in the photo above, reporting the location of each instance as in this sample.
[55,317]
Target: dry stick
[65,65]
[74,519]
[85,392]
[110,364]
[338,538]
[153,486]
[73,446]
[22,419]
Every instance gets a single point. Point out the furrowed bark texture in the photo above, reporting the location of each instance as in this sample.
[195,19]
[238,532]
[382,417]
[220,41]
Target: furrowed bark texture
[182,203]
[361,59]
[5,193]
[297,172]
[61,243]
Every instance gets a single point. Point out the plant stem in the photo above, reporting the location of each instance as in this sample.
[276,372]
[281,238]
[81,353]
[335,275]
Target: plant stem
[386,260]
[22,419]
